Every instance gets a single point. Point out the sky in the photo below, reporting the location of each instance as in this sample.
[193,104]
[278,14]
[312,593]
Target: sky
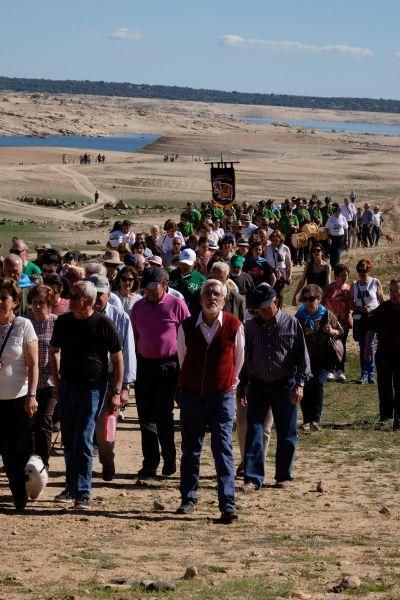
[302,47]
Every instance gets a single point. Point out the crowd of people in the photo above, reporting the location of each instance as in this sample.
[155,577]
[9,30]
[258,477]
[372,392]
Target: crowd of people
[190,314]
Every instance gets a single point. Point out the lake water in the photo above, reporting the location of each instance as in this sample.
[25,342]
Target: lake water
[346,126]
[121,143]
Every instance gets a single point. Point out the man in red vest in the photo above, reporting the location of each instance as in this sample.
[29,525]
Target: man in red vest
[211,353]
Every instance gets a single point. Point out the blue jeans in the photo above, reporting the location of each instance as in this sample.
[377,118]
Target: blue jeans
[79,409]
[260,397]
[313,397]
[197,411]
[367,367]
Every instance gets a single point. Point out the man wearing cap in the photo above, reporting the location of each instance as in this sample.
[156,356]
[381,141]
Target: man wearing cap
[275,369]
[243,280]
[20,248]
[187,281]
[210,350]
[112,263]
[123,326]
[40,249]
[155,320]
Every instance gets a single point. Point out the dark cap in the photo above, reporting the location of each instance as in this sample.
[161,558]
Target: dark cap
[152,276]
[262,297]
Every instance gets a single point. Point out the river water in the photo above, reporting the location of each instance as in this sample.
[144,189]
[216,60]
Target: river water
[121,143]
[346,126]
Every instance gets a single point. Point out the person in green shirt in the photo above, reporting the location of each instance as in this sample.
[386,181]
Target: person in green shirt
[289,224]
[274,210]
[184,226]
[20,248]
[326,210]
[187,281]
[303,217]
[193,215]
[315,213]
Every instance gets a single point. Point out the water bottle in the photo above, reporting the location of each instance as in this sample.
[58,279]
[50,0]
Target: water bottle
[110,427]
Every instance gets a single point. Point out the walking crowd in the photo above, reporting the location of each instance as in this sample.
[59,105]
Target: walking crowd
[191,315]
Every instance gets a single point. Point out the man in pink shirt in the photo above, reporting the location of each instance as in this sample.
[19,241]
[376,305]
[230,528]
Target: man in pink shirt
[155,320]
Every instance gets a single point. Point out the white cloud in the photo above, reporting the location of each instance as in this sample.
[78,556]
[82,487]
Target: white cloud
[236,41]
[124,33]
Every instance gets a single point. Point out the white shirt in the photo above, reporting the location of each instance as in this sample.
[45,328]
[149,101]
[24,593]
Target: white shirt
[247,231]
[209,334]
[166,242]
[14,371]
[348,211]
[119,237]
[377,219]
[336,225]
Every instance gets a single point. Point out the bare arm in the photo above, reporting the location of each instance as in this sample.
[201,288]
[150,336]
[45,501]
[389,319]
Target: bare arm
[288,264]
[379,292]
[118,373]
[31,354]
[300,285]
[54,357]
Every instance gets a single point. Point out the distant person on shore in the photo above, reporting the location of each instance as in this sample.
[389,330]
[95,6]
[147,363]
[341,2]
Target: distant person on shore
[96,197]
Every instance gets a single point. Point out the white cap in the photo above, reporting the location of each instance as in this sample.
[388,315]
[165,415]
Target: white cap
[187,256]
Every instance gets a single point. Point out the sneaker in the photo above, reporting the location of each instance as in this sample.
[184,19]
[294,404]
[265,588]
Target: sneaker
[314,426]
[330,377]
[283,485]
[371,380]
[363,380]
[108,472]
[250,486]
[396,424]
[340,376]
[82,504]
[305,427]
[186,508]
[228,515]
[63,498]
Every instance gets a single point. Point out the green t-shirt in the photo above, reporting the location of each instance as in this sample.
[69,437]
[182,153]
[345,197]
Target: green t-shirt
[218,212]
[286,222]
[194,217]
[189,286]
[316,216]
[32,269]
[326,212]
[186,229]
[302,215]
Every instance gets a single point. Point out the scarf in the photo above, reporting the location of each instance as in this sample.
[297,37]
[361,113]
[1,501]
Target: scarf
[308,319]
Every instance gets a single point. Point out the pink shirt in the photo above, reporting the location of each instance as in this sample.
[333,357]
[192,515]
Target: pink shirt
[156,326]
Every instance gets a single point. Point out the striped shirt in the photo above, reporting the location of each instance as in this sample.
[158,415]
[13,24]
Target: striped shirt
[275,352]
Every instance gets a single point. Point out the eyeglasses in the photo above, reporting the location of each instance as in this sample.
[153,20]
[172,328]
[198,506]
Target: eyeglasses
[309,298]
[211,293]
[127,279]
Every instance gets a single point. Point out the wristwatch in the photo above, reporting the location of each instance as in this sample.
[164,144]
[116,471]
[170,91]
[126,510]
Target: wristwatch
[116,391]
[31,394]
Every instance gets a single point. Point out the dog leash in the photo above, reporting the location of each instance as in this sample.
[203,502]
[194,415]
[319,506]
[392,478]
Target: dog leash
[51,450]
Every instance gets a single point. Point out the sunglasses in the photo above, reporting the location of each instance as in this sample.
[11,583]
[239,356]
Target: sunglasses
[309,298]
[317,250]
[12,251]
[361,270]
[127,279]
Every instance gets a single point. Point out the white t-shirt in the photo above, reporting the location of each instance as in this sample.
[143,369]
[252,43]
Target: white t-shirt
[13,371]
[336,225]
[166,242]
[119,237]
[348,211]
[377,219]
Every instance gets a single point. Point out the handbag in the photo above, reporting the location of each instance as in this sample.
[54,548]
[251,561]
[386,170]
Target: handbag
[335,351]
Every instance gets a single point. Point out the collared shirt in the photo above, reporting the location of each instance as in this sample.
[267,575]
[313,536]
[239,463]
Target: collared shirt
[156,326]
[275,352]
[125,333]
[348,211]
[209,334]
[367,215]
[377,219]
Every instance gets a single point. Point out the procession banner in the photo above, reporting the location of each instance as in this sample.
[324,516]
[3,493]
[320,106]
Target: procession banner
[223,186]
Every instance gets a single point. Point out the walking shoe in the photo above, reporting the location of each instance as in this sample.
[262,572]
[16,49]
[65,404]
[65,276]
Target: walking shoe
[283,485]
[168,470]
[63,498]
[330,377]
[228,515]
[315,426]
[82,504]
[305,427]
[363,380]
[371,380]
[250,486]
[240,470]
[186,508]
[143,474]
[108,472]
[340,376]
[396,424]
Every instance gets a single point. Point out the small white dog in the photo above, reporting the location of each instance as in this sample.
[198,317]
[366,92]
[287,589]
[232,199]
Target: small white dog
[35,476]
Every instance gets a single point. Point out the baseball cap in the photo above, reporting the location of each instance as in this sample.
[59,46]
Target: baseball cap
[237,261]
[155,260]
[262,297]
[111,257]
[152,276]
[242,242]
[100,282]
[187,256]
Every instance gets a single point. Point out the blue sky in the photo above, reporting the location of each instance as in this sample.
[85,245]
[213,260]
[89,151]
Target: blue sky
[310,47]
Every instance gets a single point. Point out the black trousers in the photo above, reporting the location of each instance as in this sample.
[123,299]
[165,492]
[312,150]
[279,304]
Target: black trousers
[15,446]
[366,235]
[155,389]
[42,423]
[388,374]
[335,249]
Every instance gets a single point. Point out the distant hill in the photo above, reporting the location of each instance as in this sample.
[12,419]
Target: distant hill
[132,90]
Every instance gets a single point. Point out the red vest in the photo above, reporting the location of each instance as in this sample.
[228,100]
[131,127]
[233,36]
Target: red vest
[209,368]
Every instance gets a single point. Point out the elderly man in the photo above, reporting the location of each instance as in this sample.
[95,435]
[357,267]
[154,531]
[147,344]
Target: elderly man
[385,321]
[20,248]
[244,281]
[155,320]
[274,372]
[12,268]
[95,268]
[235,303]
[123,326]
[83,341]
[187,281]
[210,350]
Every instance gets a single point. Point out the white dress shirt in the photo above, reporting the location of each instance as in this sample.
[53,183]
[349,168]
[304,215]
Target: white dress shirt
[209,334]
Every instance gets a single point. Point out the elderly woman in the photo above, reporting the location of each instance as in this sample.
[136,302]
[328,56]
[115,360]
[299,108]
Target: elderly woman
[277,255]
[41,300]
[152,240]
[319,324]
[18,382]
[365,295]
[171,256]
[128,285]
[337,298]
